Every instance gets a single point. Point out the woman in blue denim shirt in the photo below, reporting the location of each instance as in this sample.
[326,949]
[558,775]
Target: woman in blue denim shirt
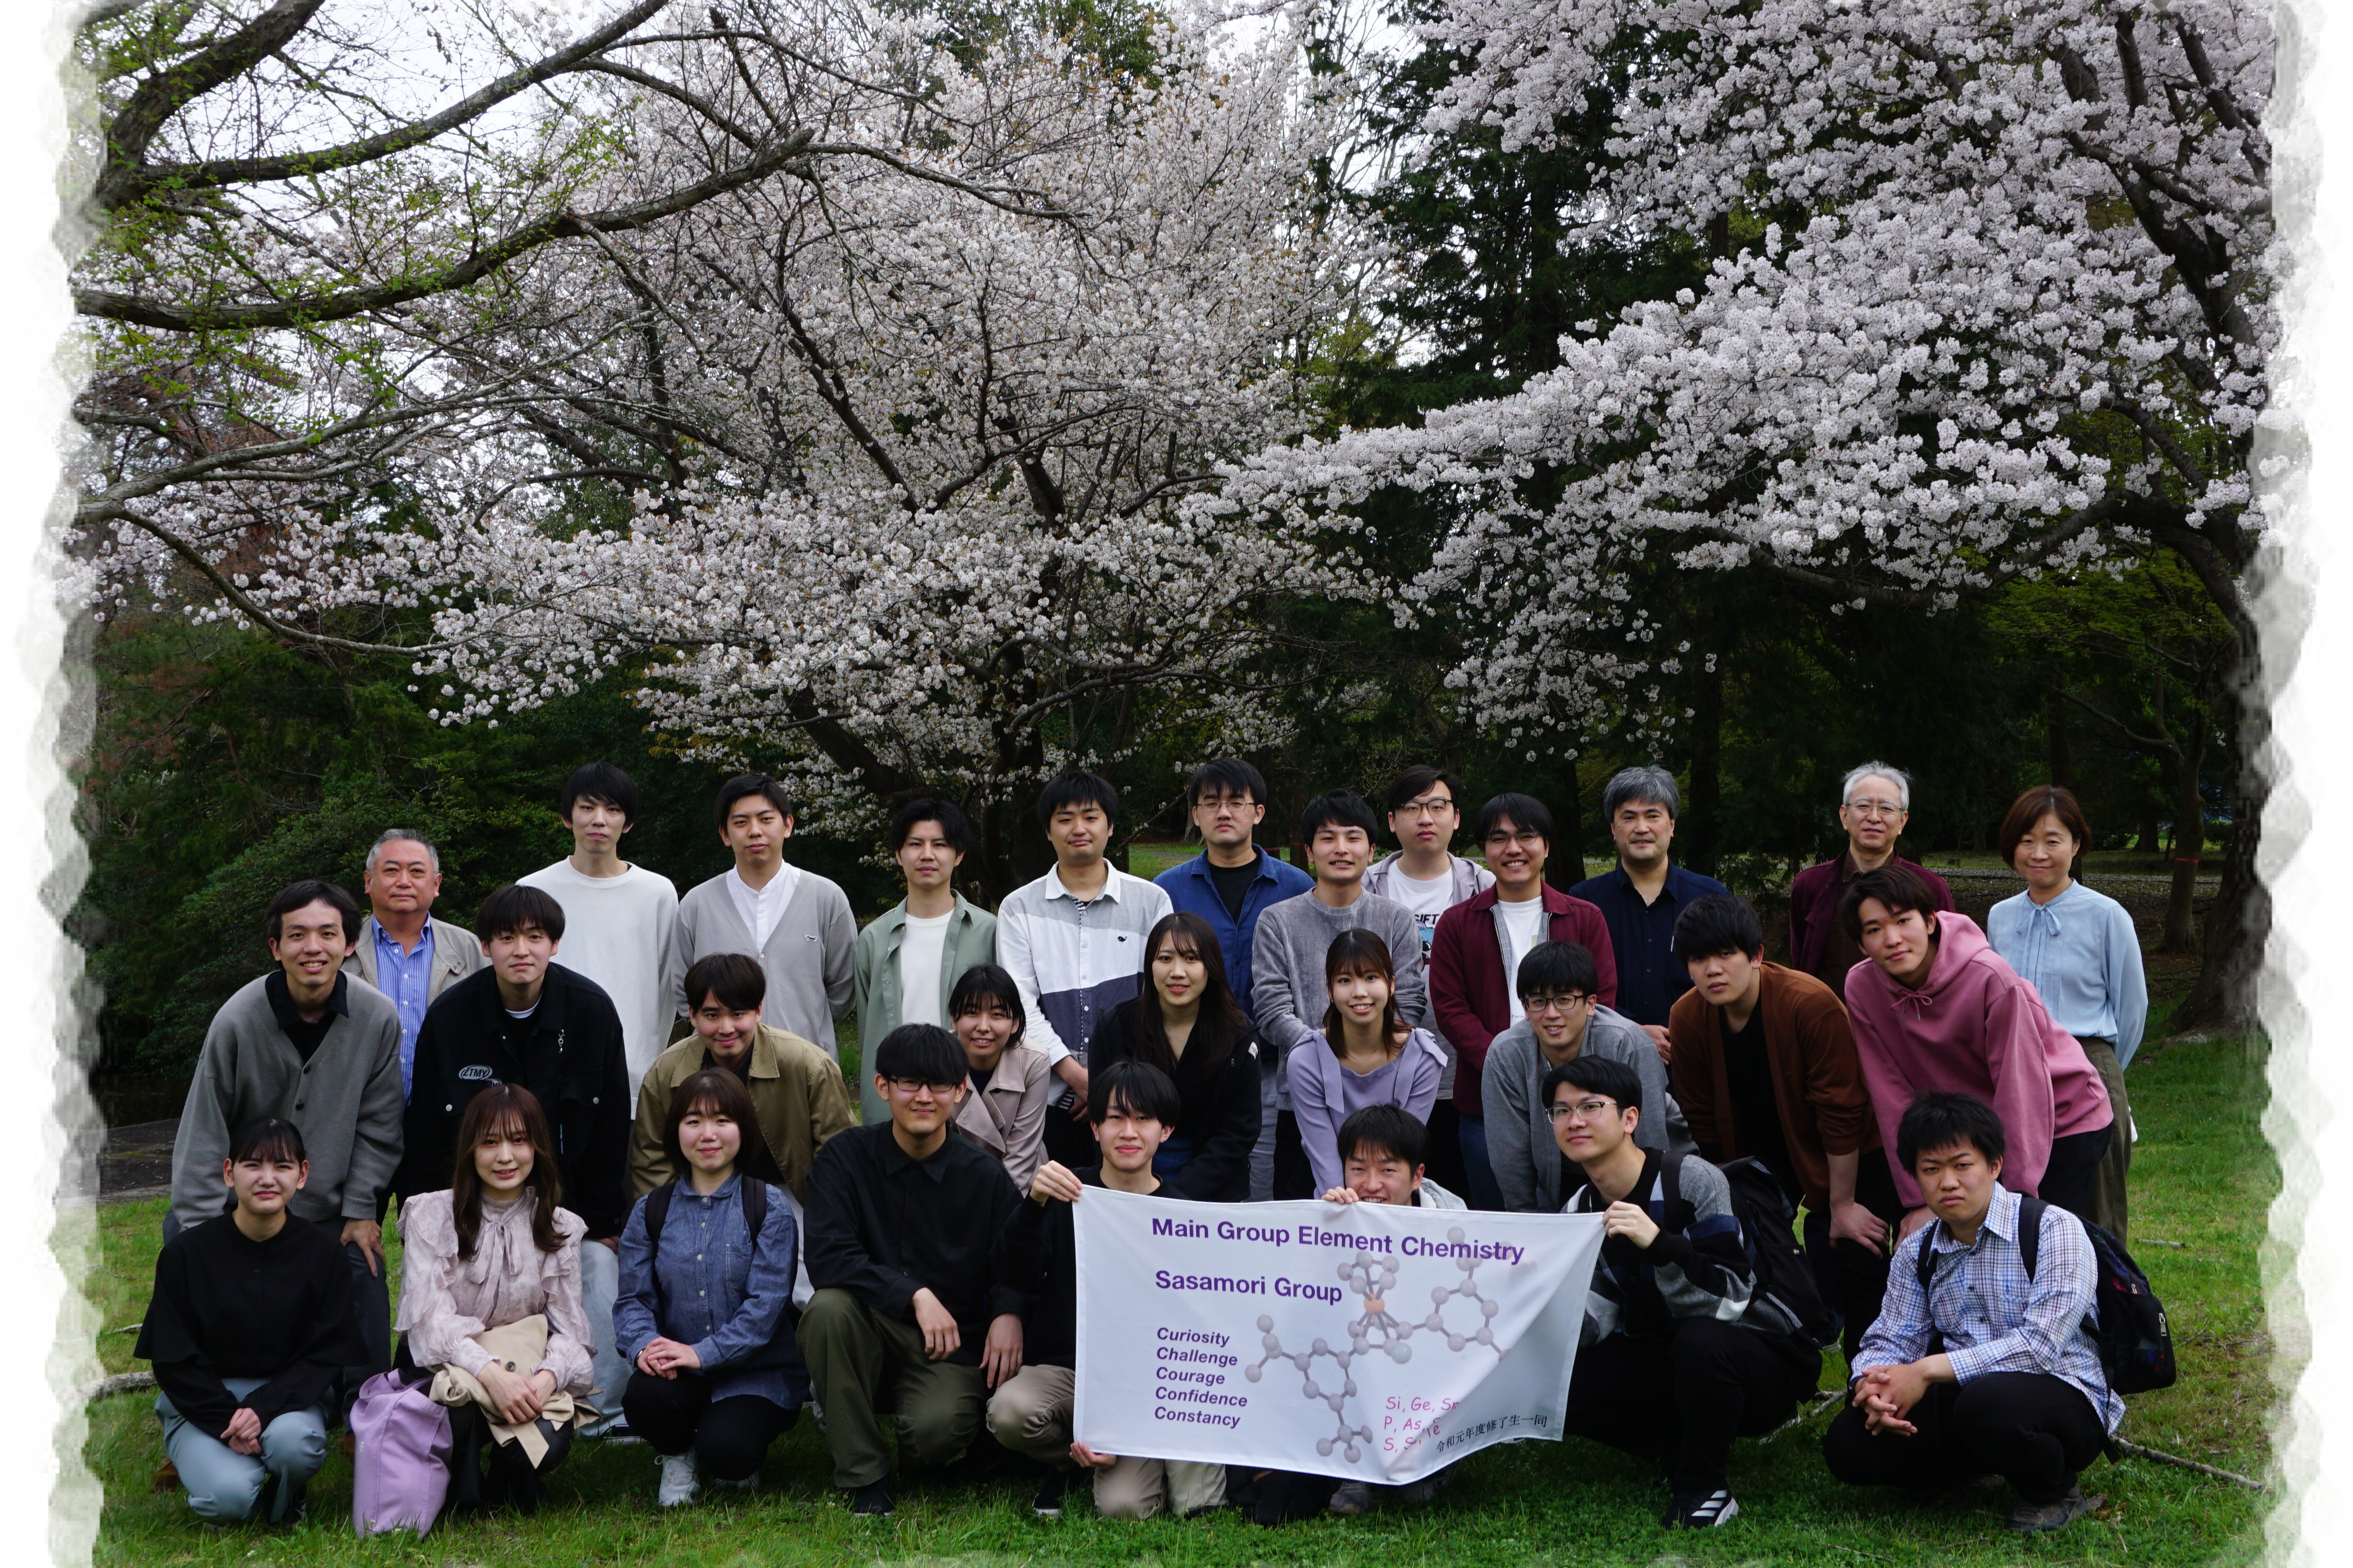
[704,1317]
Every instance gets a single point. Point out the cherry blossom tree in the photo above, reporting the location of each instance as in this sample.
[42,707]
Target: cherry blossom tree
[2002,306]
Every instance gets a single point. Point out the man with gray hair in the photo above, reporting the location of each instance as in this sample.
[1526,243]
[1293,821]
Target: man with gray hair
[1643,897]
[402,949]
[1874,802]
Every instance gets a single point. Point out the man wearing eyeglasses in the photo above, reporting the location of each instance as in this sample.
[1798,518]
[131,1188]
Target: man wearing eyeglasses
[912,1312]
[1765,1065]
[1475,959]
[1874,802]
[1563,1020]
[1679,1354]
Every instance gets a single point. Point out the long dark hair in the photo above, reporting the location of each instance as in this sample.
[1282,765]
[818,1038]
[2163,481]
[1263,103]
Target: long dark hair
[505,1108]
[1360,952]
[1222,1027]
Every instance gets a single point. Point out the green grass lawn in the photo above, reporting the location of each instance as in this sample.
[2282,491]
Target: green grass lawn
[2202,1177]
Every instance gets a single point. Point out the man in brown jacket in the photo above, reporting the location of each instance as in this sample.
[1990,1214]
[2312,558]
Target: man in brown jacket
[1764,1066]
[797,1089]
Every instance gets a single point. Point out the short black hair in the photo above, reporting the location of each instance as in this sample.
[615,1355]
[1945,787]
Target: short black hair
[1336,808]
[955,825]
[1391,1129]
[1940,1121]
[736,979]
[268,1140]
[599,781]
[1558,969]
[1596,1075]
[1415,781]
[1523,812]
[1075,788]
[1225,775]
[1897,886]
[1143,1089]
[743,784]
[1720,922]
[514,907]
[311,891]
[989,982]
[923,1051]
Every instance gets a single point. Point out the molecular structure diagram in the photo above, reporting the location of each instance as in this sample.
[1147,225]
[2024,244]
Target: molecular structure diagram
[1376,1330]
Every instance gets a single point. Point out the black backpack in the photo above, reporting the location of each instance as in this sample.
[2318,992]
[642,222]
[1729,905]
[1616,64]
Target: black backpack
[780,1351]
[1785,1280]
[2127,1320]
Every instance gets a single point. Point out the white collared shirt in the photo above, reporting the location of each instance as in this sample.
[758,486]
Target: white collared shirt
[762,908]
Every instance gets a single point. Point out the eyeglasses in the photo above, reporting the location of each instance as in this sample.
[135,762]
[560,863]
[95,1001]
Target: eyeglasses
[1874,808]
[1568,1004]
[1430,805]
[1523,840]
[1587,1108]
[911,1086]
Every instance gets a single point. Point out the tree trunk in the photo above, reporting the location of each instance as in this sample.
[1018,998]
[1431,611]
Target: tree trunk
[1699,845]
[2238,923]
[2063,771]
[2188,844]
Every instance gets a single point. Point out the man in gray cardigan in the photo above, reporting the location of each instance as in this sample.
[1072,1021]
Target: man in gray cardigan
[1558,989]
[796,923]
[933,930]
[304,1043]
[1288,994]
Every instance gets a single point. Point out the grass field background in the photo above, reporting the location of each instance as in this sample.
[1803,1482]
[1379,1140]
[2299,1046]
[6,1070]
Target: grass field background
[2202,1182]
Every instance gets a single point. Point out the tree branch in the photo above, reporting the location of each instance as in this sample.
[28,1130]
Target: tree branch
[161,96]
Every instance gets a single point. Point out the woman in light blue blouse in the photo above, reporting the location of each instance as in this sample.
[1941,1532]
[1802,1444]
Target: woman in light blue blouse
[2078,950]
[705,1311]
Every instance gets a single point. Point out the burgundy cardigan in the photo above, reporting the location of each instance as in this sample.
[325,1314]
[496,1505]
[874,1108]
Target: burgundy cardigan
[1467,997]
[1813,909]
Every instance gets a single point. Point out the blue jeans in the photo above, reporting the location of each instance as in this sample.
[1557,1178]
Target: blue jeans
[1484,1193]
[229,1486]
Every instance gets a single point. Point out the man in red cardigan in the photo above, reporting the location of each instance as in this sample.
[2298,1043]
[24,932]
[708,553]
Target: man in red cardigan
[1874,802]
[1764,1065]
[1471,995]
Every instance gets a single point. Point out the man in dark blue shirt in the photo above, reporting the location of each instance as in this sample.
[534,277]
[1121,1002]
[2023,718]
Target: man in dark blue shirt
[1643,897]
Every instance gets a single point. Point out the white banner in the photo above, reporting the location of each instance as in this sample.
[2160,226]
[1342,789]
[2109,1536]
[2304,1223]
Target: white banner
[1364,1341]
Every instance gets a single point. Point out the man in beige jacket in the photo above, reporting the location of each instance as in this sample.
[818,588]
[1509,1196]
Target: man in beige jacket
[401,950]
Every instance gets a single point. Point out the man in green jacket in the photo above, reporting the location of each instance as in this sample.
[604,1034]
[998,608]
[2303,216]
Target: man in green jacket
[931,935]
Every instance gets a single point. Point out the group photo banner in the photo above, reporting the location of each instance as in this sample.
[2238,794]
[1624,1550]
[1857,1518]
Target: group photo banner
[1362,1340]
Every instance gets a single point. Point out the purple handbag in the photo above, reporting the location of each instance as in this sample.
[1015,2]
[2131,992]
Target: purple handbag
[400,1470]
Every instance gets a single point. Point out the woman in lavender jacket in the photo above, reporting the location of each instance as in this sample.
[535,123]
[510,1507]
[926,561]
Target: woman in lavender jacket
[1364,1056]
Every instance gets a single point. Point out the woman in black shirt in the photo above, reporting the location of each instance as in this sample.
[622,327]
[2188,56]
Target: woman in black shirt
[1187,1022]
[250,1321]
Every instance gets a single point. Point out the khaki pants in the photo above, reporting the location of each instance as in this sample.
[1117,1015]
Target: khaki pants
[861,1365]
[2108,1186]
[1030,1415]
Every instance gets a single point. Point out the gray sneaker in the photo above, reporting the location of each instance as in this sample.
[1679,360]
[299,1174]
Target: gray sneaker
[2032,1517]
[1351,1499]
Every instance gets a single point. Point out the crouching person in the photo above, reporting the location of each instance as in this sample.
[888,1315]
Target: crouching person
[1678,1355]
[490,1281]
[1988,1368]
[703,1316]
[249,1324]
[1133,1107]
[911,1315]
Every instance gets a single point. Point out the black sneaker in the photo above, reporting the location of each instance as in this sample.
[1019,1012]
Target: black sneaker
[871,1501]
[1701,1512]
[2032,1517]
[1048,1503]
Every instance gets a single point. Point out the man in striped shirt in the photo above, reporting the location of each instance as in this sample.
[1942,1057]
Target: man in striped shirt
[1073,942]
[1990,1367]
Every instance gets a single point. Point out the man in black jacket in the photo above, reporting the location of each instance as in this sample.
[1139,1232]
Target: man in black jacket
[530,1021]
[912,1314]
[1134,1105]
[1678,1354]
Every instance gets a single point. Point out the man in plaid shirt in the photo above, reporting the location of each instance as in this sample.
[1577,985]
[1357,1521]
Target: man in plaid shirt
[1987,1369]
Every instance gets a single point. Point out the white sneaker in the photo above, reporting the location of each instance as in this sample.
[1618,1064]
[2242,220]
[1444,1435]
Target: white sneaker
[677,1480]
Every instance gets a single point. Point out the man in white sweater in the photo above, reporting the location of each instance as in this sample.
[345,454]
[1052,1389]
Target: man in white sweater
[619,920]
[796,923]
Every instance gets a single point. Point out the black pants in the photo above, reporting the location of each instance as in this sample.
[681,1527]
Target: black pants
[2034,1431]
[729,1436]
[1852,1278]
[2071,1180]
[1682,1400]
[1293,1177]
[511,1480]
[1445,1163]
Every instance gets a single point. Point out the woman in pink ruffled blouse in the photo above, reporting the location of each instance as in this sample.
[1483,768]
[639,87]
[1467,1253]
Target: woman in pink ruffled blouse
[492,1251]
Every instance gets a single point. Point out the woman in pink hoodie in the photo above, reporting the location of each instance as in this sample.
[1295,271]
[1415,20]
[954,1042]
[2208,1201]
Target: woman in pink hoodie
[1934,1008]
